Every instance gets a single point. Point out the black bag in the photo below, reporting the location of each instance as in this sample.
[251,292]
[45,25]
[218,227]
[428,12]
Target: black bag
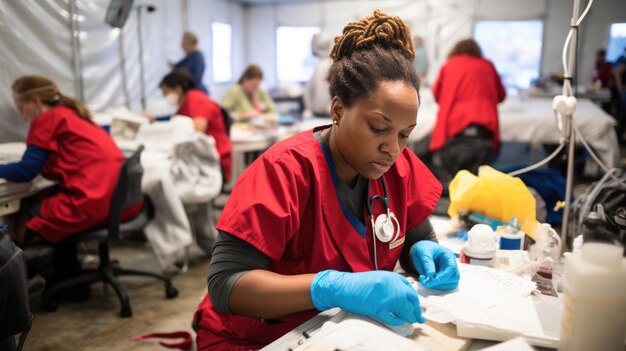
[599,214]
[15,317]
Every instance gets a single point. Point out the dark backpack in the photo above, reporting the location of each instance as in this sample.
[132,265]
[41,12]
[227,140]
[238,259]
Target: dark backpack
[599,214]
[15,317]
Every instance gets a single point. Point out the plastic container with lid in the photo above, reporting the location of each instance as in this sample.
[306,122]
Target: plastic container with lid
[480,248]
[594,307]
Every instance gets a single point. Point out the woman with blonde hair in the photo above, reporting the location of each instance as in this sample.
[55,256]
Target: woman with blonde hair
[64,145]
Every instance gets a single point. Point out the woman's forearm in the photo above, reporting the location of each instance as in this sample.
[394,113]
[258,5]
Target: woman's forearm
[269,295]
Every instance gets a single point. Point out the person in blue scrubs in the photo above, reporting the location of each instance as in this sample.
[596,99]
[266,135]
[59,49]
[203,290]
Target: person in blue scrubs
[193,62]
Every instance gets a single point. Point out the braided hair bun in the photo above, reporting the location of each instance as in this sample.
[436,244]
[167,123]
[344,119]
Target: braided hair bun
[380,29]
[375,49]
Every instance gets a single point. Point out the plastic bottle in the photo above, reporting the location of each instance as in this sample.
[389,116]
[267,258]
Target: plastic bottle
[595,299]
[480,248]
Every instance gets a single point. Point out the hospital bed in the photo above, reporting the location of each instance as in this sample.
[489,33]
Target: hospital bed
[529,121]
[532,121]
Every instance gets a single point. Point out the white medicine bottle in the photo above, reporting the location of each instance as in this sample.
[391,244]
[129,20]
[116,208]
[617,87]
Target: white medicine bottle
[594,307]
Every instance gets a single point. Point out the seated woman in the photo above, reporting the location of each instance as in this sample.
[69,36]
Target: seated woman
[321,219]
[245,100]
[179,88]
[64,145]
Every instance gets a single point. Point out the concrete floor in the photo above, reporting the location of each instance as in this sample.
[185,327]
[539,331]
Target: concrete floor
[95,324]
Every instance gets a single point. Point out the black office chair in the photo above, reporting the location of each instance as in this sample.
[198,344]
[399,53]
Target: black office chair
[228,121]
[127,192]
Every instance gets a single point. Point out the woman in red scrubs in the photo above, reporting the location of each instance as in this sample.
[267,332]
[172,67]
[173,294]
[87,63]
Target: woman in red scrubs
[64,145]
[320,219]
[178,88]
[468,90]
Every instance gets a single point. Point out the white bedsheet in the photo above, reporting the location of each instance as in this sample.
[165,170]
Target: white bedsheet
[532,121]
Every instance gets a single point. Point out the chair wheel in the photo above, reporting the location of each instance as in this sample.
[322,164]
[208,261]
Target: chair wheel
[171,292]
[49,306]
[126,312]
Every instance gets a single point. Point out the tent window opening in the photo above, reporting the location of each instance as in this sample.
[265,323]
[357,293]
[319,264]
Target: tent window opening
[294,58]
[617,41]
[514,47]
[221,53]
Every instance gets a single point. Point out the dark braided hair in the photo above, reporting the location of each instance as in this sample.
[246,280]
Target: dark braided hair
[372,50]
[178,78]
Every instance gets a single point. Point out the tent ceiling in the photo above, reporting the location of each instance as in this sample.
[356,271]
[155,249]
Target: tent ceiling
[264,2]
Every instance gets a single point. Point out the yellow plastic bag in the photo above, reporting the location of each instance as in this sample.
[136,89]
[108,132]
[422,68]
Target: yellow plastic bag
[493,194]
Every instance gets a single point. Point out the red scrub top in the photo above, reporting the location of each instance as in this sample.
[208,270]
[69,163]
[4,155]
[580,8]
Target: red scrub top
[197,104]
[85,162]
[468,90]
[286,205]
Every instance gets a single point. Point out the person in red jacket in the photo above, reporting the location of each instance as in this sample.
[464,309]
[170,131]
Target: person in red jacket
[468,90]
[179,88]
[66,146]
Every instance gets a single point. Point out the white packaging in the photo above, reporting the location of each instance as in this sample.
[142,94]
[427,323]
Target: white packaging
[594,307]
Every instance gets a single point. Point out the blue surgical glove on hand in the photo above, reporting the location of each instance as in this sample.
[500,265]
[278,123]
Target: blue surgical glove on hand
[384,295]
[436,265]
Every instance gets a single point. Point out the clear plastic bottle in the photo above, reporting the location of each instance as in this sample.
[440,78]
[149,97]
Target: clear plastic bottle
[594,306]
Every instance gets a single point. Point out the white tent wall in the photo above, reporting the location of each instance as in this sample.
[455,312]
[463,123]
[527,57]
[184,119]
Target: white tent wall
[202,14]
[260,42]
[101,71]
[23,50]
[36,38]
[441,22]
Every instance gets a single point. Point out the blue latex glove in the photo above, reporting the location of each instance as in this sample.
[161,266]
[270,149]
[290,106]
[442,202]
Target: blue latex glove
[384,295]
[436,265]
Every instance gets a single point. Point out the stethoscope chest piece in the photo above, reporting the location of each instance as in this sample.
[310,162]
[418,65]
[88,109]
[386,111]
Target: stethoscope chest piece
[386,227]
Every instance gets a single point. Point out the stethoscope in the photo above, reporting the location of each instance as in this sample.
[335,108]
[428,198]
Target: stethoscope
[386,226]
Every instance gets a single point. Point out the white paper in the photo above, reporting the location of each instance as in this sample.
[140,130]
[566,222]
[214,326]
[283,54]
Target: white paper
[358,334]
[11,152]
[485,296]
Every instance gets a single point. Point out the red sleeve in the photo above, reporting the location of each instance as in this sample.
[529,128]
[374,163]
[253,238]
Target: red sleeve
[424,190]
[266,204]
[43,130]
